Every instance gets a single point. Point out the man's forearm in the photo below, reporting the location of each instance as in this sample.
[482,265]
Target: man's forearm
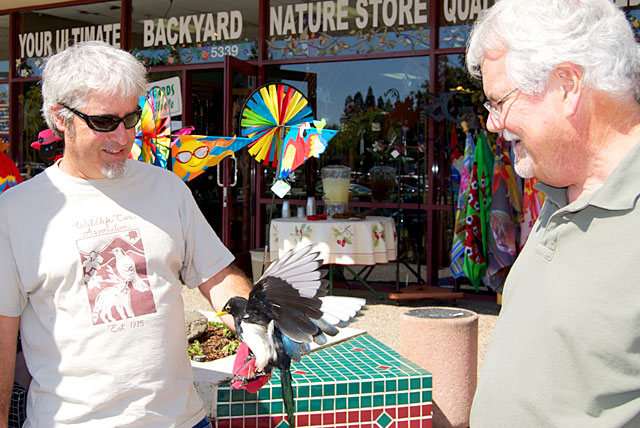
[8,340]
[226,284]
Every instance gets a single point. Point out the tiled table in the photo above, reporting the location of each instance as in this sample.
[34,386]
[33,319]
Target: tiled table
[357,383]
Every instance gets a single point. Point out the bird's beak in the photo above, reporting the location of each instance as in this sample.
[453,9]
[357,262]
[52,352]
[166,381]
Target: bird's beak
[221,313]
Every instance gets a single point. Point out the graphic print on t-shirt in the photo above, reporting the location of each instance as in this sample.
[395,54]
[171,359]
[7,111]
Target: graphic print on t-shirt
[115,275]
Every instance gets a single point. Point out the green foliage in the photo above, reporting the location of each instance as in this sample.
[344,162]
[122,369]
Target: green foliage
[195,348]
[231,348]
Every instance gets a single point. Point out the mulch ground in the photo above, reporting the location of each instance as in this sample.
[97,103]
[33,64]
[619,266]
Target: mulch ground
[212,344]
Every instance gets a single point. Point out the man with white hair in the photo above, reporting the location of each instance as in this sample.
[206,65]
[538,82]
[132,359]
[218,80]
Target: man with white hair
[561,79]
[93,255]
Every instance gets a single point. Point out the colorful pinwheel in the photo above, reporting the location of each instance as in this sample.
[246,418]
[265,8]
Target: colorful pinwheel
[153,131]
[279,121]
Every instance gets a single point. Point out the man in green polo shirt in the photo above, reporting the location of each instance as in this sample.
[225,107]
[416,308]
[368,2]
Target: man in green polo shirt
[561,79]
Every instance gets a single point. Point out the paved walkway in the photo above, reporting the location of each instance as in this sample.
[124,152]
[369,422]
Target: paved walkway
[380,318]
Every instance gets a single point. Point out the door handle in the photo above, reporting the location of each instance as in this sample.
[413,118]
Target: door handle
[235,173]
[220,184]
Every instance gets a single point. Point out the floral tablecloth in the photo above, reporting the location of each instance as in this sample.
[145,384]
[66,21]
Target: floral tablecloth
[343,242]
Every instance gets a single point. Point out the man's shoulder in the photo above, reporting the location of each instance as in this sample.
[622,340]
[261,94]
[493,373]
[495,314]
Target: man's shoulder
[156,172]
[39,181]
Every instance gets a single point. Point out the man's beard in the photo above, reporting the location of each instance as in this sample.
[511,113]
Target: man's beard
[114,169]
[522,162]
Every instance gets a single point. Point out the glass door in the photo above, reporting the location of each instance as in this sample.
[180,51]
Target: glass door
[238,174]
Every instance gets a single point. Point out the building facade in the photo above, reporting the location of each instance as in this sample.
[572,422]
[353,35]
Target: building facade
[389,74]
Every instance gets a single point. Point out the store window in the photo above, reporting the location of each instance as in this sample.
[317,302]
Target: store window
[42,33]
[4,46]
[346,27]
[167,32]
[375,105]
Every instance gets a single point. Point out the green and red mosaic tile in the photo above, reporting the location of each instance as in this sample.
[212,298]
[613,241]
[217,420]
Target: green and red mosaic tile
[359,383]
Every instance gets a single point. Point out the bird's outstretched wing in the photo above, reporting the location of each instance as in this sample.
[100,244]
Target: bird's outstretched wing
[296,292]
[291,289]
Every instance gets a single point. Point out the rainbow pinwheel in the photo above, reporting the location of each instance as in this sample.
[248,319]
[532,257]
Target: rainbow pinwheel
[153,131]
[279,121]
[191,155]
[9,173]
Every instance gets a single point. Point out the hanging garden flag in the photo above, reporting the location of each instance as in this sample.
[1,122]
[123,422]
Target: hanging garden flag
[457,247]
[478,206]
[532,201]
[504,215]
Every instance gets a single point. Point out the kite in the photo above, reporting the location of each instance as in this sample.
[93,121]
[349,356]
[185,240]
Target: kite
[302,142]
[191,155]
[279,121]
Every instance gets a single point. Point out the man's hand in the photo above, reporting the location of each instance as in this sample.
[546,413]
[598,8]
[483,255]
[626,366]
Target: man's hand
[9,327]
[226,284]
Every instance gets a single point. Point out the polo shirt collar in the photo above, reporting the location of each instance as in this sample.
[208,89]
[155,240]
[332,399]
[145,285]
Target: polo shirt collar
[619,191]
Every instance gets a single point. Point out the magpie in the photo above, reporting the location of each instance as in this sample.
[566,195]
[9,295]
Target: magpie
[288,309]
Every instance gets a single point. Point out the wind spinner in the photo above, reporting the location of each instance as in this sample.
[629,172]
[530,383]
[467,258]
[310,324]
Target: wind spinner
[279,122]
[153,132]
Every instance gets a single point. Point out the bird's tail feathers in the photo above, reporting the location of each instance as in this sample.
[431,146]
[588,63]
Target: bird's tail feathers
[287,395]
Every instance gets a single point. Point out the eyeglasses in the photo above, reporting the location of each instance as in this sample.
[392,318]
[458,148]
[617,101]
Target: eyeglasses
[107,122]
[495,108]
[200,153]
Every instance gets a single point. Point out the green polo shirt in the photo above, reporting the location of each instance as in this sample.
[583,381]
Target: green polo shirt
[565,351]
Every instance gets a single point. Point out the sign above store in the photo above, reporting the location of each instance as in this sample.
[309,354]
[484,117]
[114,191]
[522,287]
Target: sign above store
[46,43]
[337,15]
[205,27]
[461,11]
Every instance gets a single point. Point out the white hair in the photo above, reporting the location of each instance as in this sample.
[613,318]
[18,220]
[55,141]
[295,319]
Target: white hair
[540,34]
[87,68]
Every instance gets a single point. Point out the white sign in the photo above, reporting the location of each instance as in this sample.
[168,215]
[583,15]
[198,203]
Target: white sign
[46,43]
[192,29]
[172,90]
[337,15]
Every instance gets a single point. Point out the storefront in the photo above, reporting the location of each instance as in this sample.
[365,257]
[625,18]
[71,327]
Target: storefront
[383,72]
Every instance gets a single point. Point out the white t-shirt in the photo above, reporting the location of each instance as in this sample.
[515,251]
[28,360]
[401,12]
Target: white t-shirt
[95,268]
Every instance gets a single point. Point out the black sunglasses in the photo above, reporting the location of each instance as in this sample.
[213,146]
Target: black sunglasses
[107,122]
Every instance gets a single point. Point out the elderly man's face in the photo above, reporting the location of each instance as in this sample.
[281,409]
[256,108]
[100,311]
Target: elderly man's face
[92,154]
[529,120]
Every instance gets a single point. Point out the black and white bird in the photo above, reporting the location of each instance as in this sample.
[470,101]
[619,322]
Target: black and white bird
[287,310]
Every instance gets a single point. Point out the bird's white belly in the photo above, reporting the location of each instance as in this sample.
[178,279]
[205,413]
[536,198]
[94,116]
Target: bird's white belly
[256,338]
